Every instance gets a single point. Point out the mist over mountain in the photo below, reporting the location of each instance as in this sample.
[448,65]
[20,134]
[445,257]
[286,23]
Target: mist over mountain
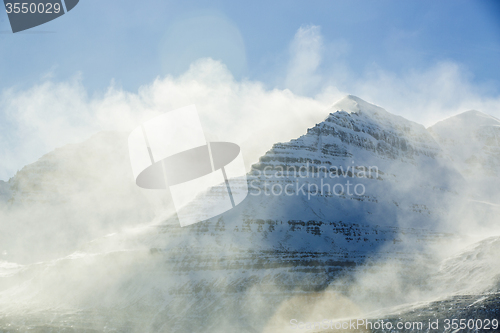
[365,212]
[471,141]
[70,196]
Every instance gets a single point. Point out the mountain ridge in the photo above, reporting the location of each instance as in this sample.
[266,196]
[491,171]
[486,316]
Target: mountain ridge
[234,271]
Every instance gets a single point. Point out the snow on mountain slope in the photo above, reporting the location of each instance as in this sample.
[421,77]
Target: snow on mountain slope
[232,272]
[410,137]
[70,196]
[74,169]
[465,288]
[398,169]
[468,313]
[475,268]
[472,141]
[210,275]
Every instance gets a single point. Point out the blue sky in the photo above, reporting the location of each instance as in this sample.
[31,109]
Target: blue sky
[424,60]
[133,42]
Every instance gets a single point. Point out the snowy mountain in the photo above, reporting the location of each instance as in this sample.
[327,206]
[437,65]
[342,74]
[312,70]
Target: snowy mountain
[469,290]
[69,197]
[474,267]
[395,162]
[472,141]
[352,215]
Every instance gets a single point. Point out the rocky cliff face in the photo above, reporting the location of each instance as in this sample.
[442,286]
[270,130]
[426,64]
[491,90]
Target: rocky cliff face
[366,240]
[394,167]
[357,130]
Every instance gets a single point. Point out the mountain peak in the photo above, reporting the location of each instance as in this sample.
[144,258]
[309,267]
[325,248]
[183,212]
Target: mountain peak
[472,112]
[354,104]
[478,116]
[468,120]
[375,114]
[471,138]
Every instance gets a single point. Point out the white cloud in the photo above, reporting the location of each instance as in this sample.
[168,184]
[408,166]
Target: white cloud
[51,114]
[306,55]
[427,96]
[54,114]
